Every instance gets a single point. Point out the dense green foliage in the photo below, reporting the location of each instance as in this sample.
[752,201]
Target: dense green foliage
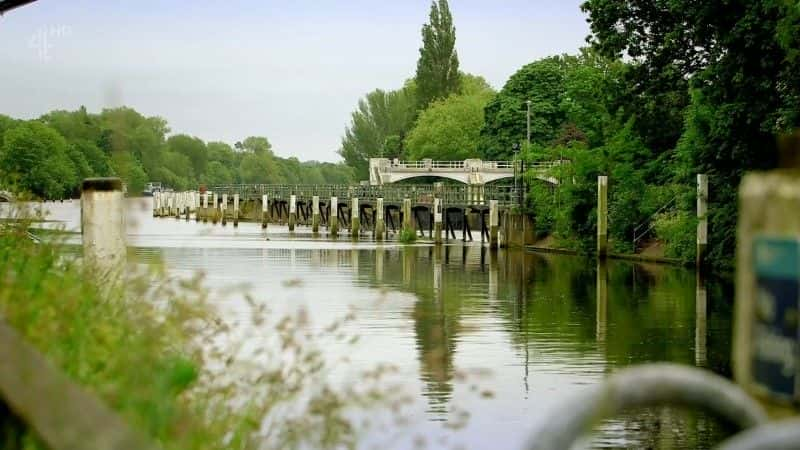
[437,68]
[50,156]
[738,60]
[449,129]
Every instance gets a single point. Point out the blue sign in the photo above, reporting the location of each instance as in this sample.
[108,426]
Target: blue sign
[776,332]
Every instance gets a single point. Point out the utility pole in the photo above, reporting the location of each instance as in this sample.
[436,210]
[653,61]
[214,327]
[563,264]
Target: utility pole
[528,103]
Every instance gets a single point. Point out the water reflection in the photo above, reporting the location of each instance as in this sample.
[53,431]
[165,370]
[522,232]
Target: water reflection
[546,325]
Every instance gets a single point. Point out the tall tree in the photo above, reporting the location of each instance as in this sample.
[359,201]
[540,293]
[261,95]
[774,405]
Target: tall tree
[437,67]
[378,127]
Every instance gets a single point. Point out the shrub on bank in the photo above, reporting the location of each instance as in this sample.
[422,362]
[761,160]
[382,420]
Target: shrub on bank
[678,232]
[407,236]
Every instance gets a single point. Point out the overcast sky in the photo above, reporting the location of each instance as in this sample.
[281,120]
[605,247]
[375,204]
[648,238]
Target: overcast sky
[223,70]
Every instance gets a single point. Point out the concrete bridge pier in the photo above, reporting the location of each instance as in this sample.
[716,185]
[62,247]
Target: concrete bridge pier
[494,222]
[333,217]
[223,207]
[437,221]
[214,208]
[235,210]
[292,211]
[355,219]
[380,221]
[205,207]
[264,211]
[408,222]
[315,214]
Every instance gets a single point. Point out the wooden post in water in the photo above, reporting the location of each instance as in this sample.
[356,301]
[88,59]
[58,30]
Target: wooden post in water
[494,223]
[223,208]
[215,209]
[602,216]
[355,220]
[103,229]
[292,211]
[235,210]
[380,220]
[408,222]
[264,211]
[437,221]
[702,219]
[333,220]
[189,196]
[315,214]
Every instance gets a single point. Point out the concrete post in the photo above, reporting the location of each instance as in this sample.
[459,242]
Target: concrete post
[602,216]
[223,208]
[189,196]
[169,205]
[380,220]
[408,222]
[155,203]
[333,219]
[292,211]
[315,214]
[235,210]
[214,209]
[264,211]
[702,218]
[197,204]
[205,207]
[494,223]
[178,204]
[355,220]
[103,229]
[437,221]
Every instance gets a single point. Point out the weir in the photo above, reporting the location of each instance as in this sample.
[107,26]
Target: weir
[375,211]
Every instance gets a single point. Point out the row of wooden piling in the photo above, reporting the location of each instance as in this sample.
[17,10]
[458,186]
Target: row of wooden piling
[214,207]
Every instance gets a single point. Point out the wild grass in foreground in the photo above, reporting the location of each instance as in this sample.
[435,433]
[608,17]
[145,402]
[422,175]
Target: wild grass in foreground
[156,352]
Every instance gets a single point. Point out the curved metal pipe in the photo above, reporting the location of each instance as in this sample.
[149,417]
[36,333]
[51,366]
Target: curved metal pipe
[782,435]
[650,385]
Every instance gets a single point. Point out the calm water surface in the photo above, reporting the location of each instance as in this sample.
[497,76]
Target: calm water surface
[536,328]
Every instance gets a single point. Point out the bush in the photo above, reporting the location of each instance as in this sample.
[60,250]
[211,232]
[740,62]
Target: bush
[407,236]
[678,232]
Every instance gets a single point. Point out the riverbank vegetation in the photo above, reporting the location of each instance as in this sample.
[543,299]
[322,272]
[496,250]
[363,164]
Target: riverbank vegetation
[662,93]
[176,370]
[49,156]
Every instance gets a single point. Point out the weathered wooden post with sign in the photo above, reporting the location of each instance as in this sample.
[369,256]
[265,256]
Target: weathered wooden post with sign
[767,330]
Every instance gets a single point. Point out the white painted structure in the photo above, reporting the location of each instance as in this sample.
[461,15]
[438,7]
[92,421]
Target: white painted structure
[470,171]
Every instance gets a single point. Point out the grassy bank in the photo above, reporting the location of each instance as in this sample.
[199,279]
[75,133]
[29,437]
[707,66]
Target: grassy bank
[156,352]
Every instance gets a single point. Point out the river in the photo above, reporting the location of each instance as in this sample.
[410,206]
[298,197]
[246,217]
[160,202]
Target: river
[535,328]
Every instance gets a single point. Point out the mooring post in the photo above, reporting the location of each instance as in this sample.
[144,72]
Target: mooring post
[223,208]
[494,223]
[408,222]
[602,216]
[315,214]
[437,221]
[333,220]
[103,229]
[189,203]
[292,211]
[355,220]
[380,221]
[169,205]
[264,211]
[196,204]
[235,210]
[702,218]
[178,204]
